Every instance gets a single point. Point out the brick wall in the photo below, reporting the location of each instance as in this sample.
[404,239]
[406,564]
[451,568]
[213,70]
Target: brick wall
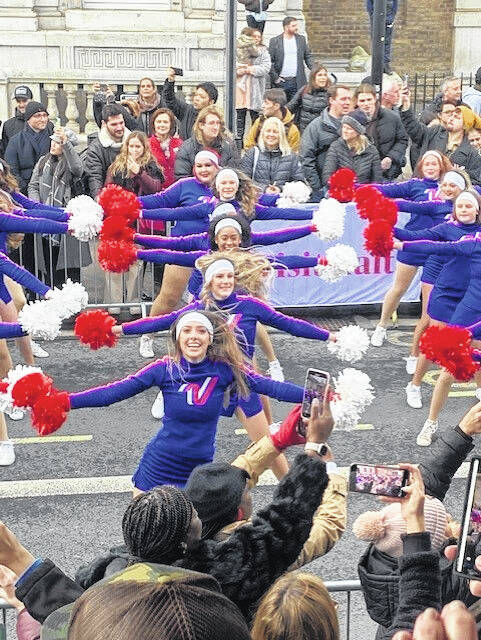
[423,34]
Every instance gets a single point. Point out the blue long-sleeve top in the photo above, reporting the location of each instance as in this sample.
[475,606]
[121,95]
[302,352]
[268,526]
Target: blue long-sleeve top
[475,330]
[245,312]
[11,223]
[48,214]
[426,213]
[20,275]
[193,399]
[417,189]
[29,204]
[11,330]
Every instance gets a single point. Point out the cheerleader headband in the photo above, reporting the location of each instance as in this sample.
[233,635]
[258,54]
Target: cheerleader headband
[466,195]
[216,267]
[198,318]
[227,222]
[226,173]
[206,155]
[455,178]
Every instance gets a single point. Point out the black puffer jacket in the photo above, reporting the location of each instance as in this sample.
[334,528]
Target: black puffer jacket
[184,160]
[386,131]
[271,167]
[253,5]
[315,142]
[366,165]
[307,105]
[10,128]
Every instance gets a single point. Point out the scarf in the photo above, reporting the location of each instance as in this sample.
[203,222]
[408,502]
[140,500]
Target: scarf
[156,145]
[40,140]
[149,105]
[54,181]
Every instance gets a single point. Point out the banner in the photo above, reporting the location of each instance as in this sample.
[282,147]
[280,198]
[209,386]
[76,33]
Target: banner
[303,288]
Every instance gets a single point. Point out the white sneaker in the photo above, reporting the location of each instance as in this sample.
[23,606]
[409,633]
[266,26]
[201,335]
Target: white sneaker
[146,347]
[425,436]
[7,453]
[158,406]
[411,362]
[275,371]
[378,336]
[413,396]
[37,350]
[16,414]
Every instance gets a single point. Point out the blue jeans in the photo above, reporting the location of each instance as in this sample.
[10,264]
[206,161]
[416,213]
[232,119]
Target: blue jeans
[391,10]
[289,86]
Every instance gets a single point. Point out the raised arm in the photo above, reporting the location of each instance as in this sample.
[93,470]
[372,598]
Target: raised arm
[190,212]
[22,276]
[425,207]
[464,247]
[193,242]
[282,235]
[416,130]
[170,197]
[282,213]
[25,224]
[284,391]
[437,233]
[29,204]
[155,323]
[293,262]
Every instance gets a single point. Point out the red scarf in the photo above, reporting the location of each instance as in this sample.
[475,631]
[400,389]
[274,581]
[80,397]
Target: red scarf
[167,164]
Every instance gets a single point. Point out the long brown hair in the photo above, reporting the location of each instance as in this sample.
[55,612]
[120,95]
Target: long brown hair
[476,196]
[8,182]
[171,117]
[119,165]
[310,87]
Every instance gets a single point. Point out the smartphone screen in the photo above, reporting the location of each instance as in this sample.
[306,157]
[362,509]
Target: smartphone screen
[378,480]
[178,71]
[314,387]
[469,542]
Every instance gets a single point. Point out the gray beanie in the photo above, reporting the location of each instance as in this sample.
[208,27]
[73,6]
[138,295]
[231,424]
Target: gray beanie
[357,120]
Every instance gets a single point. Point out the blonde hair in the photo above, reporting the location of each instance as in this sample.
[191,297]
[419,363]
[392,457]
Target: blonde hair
[297,605]
[284,146]
[119,165]
[359,144]
[6,202]
[211,109]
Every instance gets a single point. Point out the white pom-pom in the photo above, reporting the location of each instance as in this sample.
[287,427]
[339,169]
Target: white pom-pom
[13,376]
[69,300]
[341,261]
[351,344]
[329,219]
[85,222]
[293,193]
[40,319]
[353,393]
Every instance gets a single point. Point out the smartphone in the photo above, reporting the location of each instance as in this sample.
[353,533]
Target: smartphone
[178,71]
[315,386]
[405,80]
[378,480]
[469,541]
[104,87]
[129,96]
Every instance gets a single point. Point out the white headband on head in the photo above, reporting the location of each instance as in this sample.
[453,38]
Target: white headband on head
[207,155]
[434,153]
[216,267]
[227,222]
[226,173]
[455,178]
[466,195]
[223,208]
[198,318]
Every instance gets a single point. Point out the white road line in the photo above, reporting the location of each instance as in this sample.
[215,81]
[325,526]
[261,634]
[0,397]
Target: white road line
[51,439]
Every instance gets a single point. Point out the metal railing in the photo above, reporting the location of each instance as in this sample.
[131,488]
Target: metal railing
[424,86]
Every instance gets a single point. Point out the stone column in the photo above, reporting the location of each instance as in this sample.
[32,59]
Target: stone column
[467,43]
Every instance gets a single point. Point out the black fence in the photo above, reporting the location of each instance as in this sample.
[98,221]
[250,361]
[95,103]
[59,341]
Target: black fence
[424,86]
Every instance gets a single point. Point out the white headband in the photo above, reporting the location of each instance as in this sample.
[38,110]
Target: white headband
[227,222]
[198,318]
[455,178]
[206,155]
[466,195]
[226,173]
[216,267]
[434,153]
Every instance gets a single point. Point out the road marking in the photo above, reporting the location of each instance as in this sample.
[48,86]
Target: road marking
[463,470]
[47,439]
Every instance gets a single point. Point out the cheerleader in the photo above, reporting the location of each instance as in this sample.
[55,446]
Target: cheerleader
[206,363]
[430,167]
[456,294]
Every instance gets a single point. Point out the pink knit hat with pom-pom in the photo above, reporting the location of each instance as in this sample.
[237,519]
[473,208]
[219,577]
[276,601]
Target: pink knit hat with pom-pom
[385,527]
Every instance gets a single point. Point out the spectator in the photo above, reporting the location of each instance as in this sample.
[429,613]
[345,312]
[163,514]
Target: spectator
[56,178]
[450,92]
[256,13]
[455,622]
[104,147]
[164,143]
[251,81]
[474,137]
[472,95]
[391,94]
[274,106]
[288,53]
[385,129]
[103,95]
[209,132]
[311,99]
[298,605]
[271,162]
[320,134]
[447,137]
[205,94]
[391,10]
[132,107]
[149,101]
[22,96]
[353,150]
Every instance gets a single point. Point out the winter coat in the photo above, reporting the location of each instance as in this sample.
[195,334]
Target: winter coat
[10,128]
[366,165]
[245,566]
[433,109]
[315,142]
[146,112]
[22,155]
[72,253]
[307,105]
[185,113]
[184,161]
[271,167]
[253,5]
[276,51]
[472,98]
[149,180]
[387,133]
[292,132]
[131,123]
[436,137]
[100,154]
[257,81]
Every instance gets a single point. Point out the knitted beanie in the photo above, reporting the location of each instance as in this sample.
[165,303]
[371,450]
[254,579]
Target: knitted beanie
[470,119]
[357,120]
[210,89]
[32,108]
[385,527]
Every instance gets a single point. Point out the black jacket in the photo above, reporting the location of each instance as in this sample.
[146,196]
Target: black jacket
[10,128]
[185,113]
[22,156]
[366,165]
[436,137]
[97,159]
[131,123]
[307,106]
[253,5]
[276,52]
[184,160]
[315,142]
[245,565]
[271,167]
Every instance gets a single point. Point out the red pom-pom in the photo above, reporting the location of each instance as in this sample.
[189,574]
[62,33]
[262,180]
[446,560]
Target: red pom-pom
[116,257]
[3,386]
[95,329]
[341,185]
[378,238]
[366,196]
[30,388]
[116,228]
[116,201]
[50,412]
[451,348]
[388,211]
